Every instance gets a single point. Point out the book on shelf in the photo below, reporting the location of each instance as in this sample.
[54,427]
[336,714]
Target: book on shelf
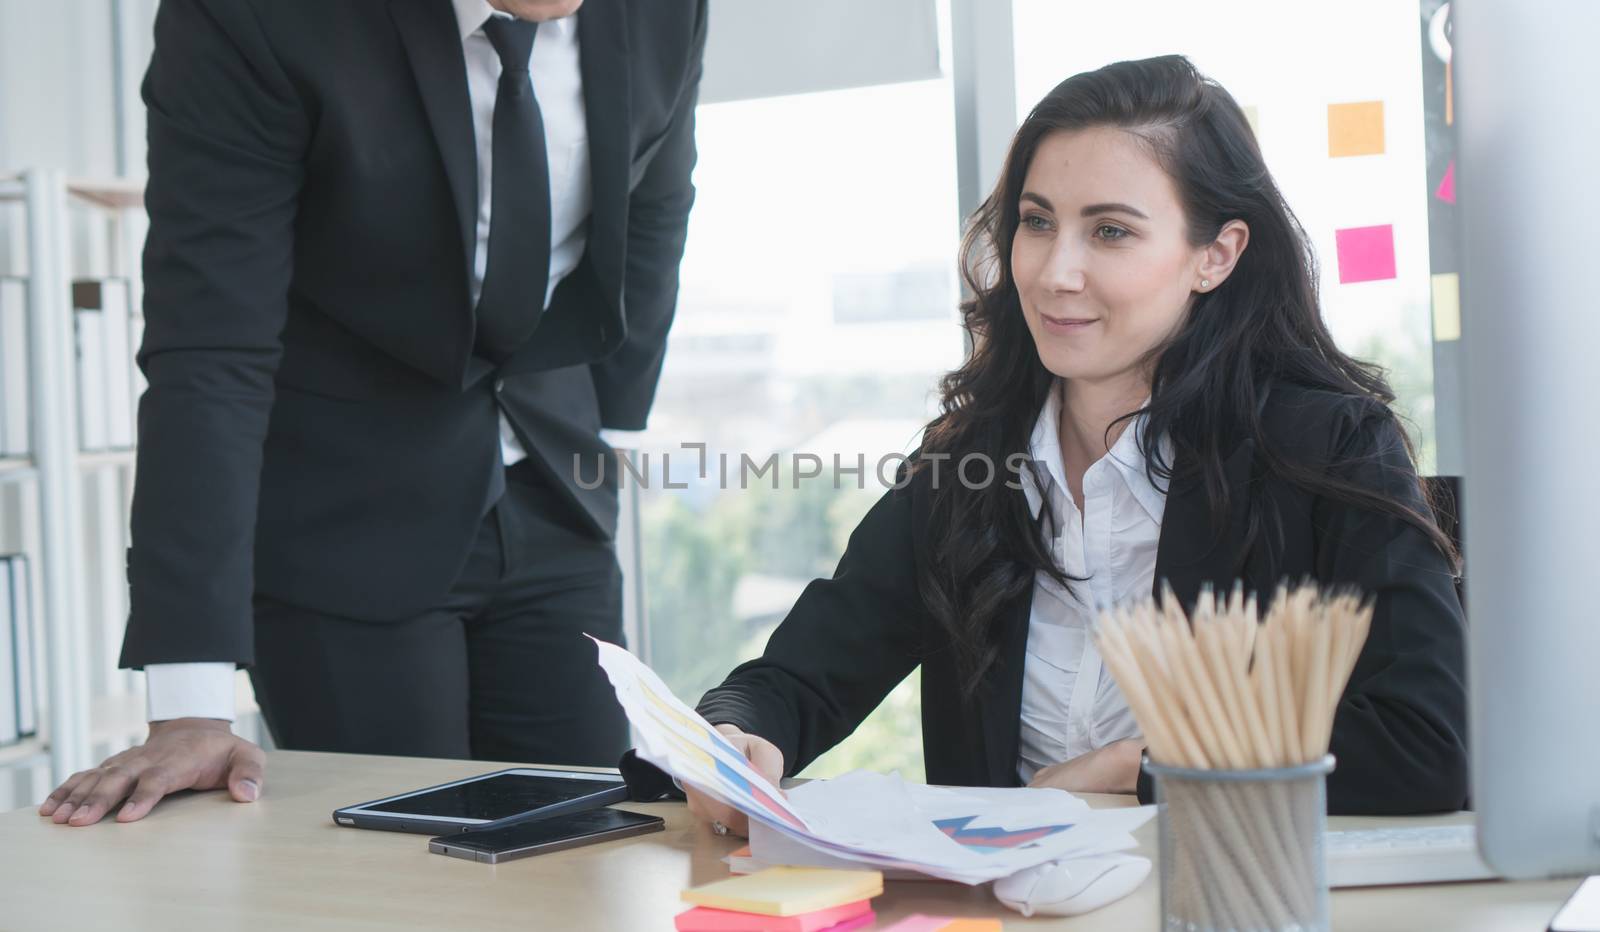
[9,706]
[25,622]
[19,701]
[135,341]
[119,365]
[105,325]
[14,415]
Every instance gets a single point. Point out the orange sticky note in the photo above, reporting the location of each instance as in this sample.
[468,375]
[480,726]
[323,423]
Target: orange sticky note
[1355,129]
[922,923]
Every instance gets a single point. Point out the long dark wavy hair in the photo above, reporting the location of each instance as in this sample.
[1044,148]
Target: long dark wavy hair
[1262,325]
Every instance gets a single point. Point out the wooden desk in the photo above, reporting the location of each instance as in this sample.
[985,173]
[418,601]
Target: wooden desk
[203,861]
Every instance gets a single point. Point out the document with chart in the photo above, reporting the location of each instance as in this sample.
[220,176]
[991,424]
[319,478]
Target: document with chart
[966,834]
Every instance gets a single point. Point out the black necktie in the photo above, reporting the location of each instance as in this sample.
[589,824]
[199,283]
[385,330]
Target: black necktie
[518,269]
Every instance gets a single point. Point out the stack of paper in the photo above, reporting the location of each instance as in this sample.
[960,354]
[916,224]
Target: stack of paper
[970,835]
[784,899]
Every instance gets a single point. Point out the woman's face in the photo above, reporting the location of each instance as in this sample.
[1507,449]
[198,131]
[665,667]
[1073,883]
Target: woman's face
[1101,258]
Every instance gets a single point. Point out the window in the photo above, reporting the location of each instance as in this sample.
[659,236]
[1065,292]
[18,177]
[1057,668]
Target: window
[816,315]
[1336,96]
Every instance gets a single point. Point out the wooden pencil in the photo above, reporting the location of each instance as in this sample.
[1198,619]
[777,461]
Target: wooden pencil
[1228,686]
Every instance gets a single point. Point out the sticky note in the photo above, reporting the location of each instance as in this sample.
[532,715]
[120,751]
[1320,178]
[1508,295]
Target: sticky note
[1366,254]
[1355,129]
[1254,117]
[1446,307]
[1447,185]
[921,923]
[704,919]
[788,891]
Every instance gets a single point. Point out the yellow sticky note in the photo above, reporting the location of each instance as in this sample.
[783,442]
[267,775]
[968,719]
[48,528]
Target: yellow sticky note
[1254,116]
[788,891]
[1446,307]
[1355,129]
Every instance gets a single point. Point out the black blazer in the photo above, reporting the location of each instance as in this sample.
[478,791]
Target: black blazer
[317,428]
[1400,729]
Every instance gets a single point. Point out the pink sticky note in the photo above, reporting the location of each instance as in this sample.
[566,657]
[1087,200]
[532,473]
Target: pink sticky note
[1447,187]
[1366,254]
[832,919]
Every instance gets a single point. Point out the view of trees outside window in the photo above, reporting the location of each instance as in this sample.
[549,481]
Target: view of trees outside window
[817,313]
[819,292]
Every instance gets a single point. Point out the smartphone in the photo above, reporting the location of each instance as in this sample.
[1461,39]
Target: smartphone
[573,830]
[476,801]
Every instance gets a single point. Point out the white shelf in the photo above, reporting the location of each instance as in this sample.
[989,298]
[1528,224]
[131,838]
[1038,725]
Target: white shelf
[76,598]
[29,751]
[103,458]
[17,468]
[110,193]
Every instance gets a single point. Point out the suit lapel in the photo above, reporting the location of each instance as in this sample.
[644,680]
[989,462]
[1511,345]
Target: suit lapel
[1000,711]
[432,40]
[1190,554]
[603,57]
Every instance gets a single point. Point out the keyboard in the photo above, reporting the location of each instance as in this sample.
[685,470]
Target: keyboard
[1423,854]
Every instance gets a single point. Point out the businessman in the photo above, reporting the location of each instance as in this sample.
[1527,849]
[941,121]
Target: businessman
[406,260]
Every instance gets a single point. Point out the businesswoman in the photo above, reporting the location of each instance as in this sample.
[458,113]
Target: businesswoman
[1146,331]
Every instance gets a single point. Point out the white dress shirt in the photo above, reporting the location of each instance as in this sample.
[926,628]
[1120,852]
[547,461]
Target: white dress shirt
[205,690]
[1070,704]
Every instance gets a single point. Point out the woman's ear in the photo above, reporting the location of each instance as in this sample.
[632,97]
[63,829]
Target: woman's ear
[1219,258]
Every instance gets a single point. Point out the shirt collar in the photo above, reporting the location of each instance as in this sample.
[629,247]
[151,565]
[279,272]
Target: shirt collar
[471,15]
[1048,471]
[1044,448]
[1127,454]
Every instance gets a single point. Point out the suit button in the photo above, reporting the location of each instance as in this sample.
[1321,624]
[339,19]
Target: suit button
[499,386]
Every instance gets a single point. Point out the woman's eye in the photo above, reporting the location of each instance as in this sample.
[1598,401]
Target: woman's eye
[1107,231]
[1036,223]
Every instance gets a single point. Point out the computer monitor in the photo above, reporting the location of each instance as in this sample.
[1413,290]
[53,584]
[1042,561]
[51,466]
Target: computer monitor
[1525,77]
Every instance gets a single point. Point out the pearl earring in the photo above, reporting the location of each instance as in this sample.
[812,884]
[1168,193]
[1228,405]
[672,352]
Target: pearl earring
[1205,283]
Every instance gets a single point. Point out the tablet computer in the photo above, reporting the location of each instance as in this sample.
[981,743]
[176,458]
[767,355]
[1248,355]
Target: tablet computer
[477,801]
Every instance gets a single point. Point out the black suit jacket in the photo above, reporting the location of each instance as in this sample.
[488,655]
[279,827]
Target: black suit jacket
[317,428]
[1399,731]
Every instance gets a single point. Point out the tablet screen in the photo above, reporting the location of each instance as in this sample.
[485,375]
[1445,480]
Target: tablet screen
[494,797]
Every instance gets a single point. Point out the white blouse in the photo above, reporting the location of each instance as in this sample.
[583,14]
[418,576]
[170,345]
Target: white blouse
[1070,705]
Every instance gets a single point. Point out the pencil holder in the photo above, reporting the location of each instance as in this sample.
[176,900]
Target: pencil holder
[1243,849]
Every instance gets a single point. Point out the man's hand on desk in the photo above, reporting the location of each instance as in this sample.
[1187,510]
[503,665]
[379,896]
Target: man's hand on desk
[767,760]
[182,754]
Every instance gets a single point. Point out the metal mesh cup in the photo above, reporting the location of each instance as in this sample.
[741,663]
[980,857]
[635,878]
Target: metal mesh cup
[1243,849]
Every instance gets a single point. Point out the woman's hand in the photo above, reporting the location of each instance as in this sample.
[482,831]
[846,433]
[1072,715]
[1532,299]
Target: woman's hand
[1111,769]
[764,757]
